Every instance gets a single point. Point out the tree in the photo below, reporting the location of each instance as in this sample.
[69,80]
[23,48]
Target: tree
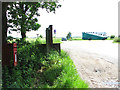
[112,36]
[69,35]
[21,17]
[19,20]
[24,15]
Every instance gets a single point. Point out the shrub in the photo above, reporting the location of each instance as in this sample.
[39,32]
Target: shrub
[10,38]
[35,69]
[41,36]
[117,40]
[112,36]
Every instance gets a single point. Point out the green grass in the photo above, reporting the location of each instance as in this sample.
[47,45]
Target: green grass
[109,38]
[76,38]
[87,40]
[35,69]
[40,40]
[57,40]
[116,40]
[69,77]
[43,40]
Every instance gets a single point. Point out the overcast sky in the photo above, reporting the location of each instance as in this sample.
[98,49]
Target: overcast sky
[78,16]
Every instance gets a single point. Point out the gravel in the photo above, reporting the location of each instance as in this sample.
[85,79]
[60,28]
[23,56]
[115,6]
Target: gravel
[96,61]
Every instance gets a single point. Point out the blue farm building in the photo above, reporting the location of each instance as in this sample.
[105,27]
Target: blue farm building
[94,35]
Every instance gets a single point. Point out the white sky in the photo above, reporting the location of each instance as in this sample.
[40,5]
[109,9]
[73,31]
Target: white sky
[80,16]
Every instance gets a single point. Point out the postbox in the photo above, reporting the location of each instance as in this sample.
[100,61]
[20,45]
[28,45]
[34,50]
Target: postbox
[15,53]
[9,54]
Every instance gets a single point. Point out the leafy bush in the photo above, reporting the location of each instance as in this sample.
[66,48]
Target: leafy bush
[117,40]
[41,36]
[10,38]
[35,69]
[112,36]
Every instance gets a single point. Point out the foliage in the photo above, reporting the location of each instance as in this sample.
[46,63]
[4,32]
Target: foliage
[43,40]
[117,40]
[69,36]
[69,77]
[41,36]
[49,6]
[112,36]
[10,38]
[36,70]
[22,16]
[109,38]
[56,40]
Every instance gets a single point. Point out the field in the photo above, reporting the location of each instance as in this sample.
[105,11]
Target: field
[43,40]
[82,39]
[76,38]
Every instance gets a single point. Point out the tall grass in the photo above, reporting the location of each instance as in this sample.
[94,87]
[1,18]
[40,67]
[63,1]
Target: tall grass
[117,40]
[40,40]
[43,40]
[56,40]
[36,69]
[69,77]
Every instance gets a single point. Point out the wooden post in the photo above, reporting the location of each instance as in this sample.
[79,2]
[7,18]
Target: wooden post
[49,38]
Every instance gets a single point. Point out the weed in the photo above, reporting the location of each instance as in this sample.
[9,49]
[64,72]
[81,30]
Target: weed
[36,70]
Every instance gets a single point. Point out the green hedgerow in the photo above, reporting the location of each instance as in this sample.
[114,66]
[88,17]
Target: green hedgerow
[36,69]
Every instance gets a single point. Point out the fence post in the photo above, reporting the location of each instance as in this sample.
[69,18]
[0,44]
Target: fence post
[49,38]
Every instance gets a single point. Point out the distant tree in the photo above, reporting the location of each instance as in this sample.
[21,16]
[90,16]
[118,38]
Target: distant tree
[69,35]
[112,36]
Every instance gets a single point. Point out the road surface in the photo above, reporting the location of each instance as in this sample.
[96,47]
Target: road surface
[96,61]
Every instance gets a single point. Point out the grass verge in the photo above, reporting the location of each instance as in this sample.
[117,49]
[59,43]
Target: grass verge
[77,39]
[35,69]
[116,40]
[86,40]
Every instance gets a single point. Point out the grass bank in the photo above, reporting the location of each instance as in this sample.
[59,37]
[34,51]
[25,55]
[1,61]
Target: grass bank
[35,69]
[116,40]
